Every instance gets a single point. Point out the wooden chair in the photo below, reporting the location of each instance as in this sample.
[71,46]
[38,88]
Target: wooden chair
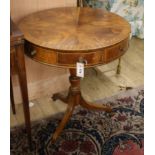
[17,66]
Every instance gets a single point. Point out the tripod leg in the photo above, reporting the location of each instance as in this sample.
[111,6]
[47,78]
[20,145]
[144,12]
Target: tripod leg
[64,121]
[95,106]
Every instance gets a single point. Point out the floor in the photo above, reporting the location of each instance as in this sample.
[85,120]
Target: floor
[98,83]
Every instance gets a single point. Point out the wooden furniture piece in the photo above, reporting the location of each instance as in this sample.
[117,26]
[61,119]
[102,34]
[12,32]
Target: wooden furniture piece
[81,3]
[84,3]
[17,66]
[62,37]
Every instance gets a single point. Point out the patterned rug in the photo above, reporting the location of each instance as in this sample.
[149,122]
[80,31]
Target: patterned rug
[89,132]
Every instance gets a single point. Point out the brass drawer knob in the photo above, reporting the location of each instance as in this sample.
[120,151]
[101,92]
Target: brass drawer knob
[33,52]
[121,49]
[82,60]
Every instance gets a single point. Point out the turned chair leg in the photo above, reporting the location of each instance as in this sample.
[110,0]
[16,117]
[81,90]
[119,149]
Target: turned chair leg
[12,97]
[119,66]
[80,3]
[118,71]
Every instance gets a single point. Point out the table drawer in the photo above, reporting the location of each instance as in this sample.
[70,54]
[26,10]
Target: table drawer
[67,59]
[41,55]
[70,58]
[115,51]
[90,58]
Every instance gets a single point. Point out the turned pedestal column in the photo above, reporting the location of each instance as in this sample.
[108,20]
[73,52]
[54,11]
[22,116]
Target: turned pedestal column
[73,99]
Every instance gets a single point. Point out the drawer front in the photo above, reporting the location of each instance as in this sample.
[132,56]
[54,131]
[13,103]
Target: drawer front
[69,59]
[41,54]
[91,58]
[66,59]
[115,51]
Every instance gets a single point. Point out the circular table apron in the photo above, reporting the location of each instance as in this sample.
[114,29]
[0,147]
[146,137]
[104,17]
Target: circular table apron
[63,36]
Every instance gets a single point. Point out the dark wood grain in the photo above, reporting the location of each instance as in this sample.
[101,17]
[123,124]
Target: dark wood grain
[69,59]
[74,29]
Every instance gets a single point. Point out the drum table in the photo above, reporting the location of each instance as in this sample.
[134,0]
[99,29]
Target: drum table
[61,37]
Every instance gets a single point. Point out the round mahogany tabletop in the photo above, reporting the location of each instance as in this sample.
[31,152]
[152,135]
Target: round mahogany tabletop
[78,32]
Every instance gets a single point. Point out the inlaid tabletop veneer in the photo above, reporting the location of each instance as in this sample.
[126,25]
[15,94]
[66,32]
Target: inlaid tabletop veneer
[62,37]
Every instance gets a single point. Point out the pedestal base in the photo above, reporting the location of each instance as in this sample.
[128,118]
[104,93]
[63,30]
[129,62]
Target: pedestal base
[73,99]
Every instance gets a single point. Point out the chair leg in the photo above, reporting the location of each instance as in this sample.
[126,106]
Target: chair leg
[79,3]
[12,97]
[23,85]
[119,66]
